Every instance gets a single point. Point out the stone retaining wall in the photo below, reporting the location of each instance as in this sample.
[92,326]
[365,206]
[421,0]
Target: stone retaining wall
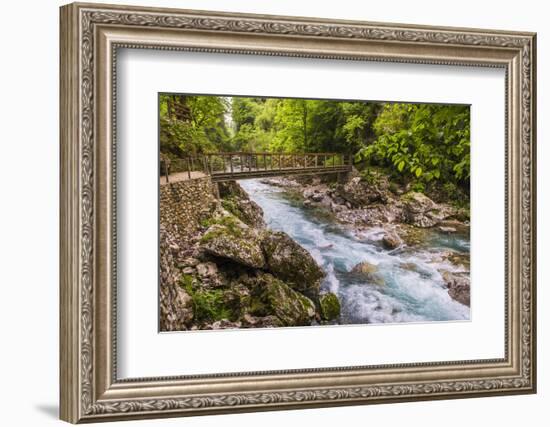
[183,204]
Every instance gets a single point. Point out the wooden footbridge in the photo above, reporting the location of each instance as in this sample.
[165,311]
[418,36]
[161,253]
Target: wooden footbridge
[245,165]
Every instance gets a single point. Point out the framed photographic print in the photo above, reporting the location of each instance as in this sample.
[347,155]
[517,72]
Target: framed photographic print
[266,212]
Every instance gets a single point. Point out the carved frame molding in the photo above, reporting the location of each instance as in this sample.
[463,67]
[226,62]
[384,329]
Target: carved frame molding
[90,37]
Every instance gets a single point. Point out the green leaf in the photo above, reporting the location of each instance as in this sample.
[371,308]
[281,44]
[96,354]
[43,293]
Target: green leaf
[418,172]
[400,166]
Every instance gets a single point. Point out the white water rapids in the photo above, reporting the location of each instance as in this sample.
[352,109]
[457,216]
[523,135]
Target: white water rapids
[408,295]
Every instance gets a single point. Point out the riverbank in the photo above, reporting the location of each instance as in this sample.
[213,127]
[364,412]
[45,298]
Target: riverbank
[392,218]
[297,253]
[231,271]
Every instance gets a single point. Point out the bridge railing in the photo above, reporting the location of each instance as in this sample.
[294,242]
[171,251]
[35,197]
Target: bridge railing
[246,163]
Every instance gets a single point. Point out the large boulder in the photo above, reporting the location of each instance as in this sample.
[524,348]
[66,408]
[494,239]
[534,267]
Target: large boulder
[360,192]
[458,285]
[290,262]
[272,297]
[415,202]
[232,239]
[235,200]
[421,211]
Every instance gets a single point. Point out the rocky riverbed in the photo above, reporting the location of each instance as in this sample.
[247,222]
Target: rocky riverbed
[362,251]
[393,217]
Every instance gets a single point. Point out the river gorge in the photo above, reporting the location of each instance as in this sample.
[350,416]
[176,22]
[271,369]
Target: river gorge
[283,252]
[408,285]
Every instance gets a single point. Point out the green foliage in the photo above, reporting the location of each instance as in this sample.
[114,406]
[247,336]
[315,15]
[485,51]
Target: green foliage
[418,187]
[192,124]
[230,206]
[208,304]
[372,175]
[302,125]
[330,306]
[206,222]
[427,145]
[245,110]
[424,142]
[334,161]
[186,281]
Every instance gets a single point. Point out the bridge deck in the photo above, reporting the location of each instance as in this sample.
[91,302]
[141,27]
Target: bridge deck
[236,166]
[258,173]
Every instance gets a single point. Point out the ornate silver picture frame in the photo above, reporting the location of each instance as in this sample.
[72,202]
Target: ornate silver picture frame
[91,34]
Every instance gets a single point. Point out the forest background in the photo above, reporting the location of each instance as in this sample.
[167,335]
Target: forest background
[426,146]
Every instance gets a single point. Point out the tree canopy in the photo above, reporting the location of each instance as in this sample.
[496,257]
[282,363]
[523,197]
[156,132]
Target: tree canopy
[425,144]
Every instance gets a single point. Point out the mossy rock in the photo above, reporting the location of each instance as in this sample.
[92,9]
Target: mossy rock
[209,305]
[187,281]
[291,263]
[273,297]
[237,299]
[231,189]
[329,306]
[413,236]
[227,222]
[235,200]
[289,306]
[246,210]
[233,240]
